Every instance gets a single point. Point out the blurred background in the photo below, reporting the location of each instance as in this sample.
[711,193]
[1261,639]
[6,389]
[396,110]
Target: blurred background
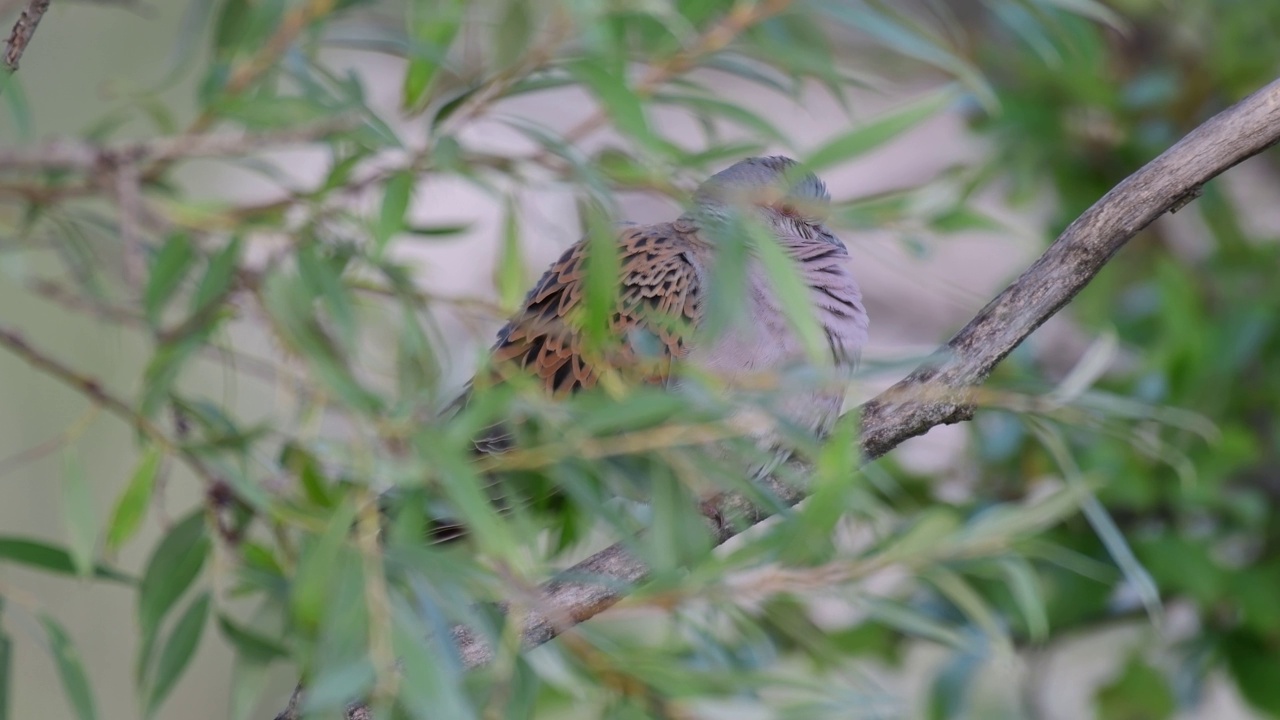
[1044,107]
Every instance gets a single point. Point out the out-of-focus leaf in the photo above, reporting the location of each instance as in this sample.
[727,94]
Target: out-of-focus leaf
[75,682]
[15,98]
[793,294]
[301,463]
[1025,588]
[178,649]
[896,32]
[876,133]
[218,276]
[736,114]
[312,586]
[131,508]
[603,267]
[325,282]
[949,693]
[395,202]
[172,568]
[617,99]
[509,273]
[512,33]
[77,509]
[50,558]
[1139,693]
[432,25]
[250,644]
[168,269]
[433,682]
[1255,667]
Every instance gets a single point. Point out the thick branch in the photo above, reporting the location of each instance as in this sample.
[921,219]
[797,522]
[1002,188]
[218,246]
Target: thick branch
[934,394]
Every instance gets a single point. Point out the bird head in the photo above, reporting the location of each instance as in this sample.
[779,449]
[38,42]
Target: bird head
[775,185]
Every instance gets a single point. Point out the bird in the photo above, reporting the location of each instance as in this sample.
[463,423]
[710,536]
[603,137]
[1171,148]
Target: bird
[662,303]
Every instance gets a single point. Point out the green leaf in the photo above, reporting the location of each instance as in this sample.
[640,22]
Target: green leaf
[303,465]
[168,270]
[732,112]
[15,98]
[1140,693]
[512,33]
[218,275]
[131,508]
[618,100]
[178,650]
[75,682]
[432,688]
[395,202]
[77,509]
[249,644]
[313,584]
[509,274]
[876,133]
[793,294]
[1254,664]
[50,558]
[172,568]
[603,267]
[433,25]
[325,282]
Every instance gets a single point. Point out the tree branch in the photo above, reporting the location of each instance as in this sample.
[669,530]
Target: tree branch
[936,393]
[23,30]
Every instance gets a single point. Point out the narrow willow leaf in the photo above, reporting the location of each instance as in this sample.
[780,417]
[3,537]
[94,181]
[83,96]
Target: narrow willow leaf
[15,98]
[510,270]
[600,280]
[172,568]
[250,644]
[1114,541]
[132,506]
[617,99]
[511,35]
[313,584]
[432,25]
[168,269]
[50,558]
[793,294]
[75,682]
[178,649]
[949,693]
[218,275]
[432,686]
[731,112]
[1091,9]
[876,133]
[897,33]
[1023,584]
[249,678]
[395,202]
[325,282]
[77,513]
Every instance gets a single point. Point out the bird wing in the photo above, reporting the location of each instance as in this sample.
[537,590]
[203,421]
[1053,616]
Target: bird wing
[659,296]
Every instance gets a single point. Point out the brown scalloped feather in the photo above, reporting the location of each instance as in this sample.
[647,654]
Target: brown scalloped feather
[658,294]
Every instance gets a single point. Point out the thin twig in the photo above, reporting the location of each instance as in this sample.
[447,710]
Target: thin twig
[23,30]
[743,15]
[65,155]
[900,413]
[91,388]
